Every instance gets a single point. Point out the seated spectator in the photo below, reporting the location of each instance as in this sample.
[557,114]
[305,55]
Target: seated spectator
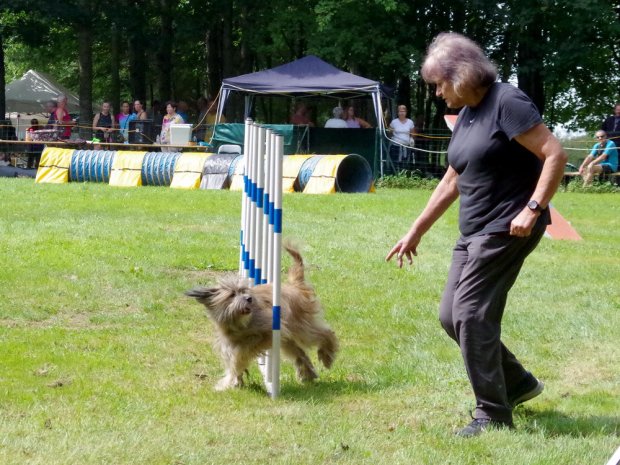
[602,160]
[34,150]
[611,125]
[171,117]
[336,121]
[353,121]
[104,124]
[300,116]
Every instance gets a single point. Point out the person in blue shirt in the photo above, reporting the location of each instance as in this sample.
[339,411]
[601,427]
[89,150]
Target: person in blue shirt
[603,159]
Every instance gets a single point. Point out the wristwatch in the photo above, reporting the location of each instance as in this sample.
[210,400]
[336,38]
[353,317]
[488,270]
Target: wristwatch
[535,206]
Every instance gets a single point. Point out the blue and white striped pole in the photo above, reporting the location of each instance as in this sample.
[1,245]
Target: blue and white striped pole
[277,258]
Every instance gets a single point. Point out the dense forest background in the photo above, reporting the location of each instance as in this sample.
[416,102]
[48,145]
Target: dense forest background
[564,54]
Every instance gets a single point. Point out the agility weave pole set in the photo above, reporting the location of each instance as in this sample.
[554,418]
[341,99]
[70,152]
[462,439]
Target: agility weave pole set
[261,230]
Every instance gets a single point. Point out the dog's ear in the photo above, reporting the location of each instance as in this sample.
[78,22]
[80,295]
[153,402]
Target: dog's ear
[202,294]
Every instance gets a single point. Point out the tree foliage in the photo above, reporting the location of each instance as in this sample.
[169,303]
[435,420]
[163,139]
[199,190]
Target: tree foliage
[565,55]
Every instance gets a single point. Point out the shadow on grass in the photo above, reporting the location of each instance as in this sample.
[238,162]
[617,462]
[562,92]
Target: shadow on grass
[554,424]
[322,391]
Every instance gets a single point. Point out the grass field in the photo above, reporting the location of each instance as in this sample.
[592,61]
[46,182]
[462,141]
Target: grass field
[104,361]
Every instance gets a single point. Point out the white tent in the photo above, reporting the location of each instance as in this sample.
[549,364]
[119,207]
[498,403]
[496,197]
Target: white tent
[29,93]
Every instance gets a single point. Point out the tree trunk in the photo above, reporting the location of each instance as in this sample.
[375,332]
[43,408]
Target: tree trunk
[530,67]
[2,79]
[164,52]
[214,70]
[115,68]
[85,50]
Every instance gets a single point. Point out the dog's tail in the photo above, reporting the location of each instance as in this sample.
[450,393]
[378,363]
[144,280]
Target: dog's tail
[296,271]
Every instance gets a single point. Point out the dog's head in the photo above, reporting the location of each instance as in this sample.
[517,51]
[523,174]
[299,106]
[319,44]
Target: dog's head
[230,303]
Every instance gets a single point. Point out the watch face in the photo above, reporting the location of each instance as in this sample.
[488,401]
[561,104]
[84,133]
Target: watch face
[533,205]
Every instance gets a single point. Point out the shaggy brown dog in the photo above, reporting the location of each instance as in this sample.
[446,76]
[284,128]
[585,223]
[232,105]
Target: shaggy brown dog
[243,320]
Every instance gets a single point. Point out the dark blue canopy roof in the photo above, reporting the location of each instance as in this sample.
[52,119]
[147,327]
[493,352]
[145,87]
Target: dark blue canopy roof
[309,74]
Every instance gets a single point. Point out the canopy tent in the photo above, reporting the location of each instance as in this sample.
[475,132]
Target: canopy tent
[29,93]
[307,76]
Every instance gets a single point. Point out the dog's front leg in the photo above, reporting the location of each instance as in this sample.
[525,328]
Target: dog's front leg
[235,368]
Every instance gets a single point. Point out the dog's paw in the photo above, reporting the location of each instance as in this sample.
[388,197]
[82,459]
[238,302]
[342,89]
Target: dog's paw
[306,374]
[228,382]
[326,357]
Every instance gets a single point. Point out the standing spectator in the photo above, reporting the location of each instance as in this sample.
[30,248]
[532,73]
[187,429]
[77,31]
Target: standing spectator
[122,120]
[139,113]
[50,108]
[403,131]
[183,110]
[61,119]
[505,165]
[171,117]
[611,125]
[603,159]
[353,121]
[104,124]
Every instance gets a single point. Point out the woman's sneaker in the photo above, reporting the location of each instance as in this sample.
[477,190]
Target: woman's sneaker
[527,389]
[480,425]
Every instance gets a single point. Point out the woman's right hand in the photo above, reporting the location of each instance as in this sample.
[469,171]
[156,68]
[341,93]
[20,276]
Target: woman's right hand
[406,247]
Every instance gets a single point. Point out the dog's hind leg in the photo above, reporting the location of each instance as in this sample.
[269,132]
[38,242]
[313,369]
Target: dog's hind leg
[328,346]
[303,366]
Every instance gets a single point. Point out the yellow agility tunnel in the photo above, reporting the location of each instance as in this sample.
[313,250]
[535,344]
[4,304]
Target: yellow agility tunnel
[317,174]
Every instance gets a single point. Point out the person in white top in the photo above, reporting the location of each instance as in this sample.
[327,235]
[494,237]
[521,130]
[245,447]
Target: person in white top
[336,121]
[403,131]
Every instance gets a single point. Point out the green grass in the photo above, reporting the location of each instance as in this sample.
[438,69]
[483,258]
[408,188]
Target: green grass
[104,361]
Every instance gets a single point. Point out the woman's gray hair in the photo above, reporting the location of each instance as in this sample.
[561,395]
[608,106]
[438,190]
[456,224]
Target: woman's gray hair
[455,58]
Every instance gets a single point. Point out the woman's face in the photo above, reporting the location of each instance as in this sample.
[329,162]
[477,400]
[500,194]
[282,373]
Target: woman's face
[351,112]
[445,90]
[137,106]
[170,109]
[105,108]
[402,112]
[125,107]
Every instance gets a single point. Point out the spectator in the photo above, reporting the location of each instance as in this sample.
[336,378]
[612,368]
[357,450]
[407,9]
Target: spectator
[123,120]
[61,119]
[300,116]
[505,165]
[138,111]
[336,120]
[171,117]
[353,121]
[603,159]
[154,114]
[183,110]
[34,150]
[402,139]
[611,125]
[104,124]
[50,108]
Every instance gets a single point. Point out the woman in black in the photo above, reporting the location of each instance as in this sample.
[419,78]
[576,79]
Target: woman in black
[104,124]
[505,165]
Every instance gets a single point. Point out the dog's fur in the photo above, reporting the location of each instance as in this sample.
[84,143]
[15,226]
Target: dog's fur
[243,320]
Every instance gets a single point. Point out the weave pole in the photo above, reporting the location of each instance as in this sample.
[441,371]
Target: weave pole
[261,231]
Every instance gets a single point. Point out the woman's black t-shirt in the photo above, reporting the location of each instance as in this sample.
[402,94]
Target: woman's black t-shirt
[497,175]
